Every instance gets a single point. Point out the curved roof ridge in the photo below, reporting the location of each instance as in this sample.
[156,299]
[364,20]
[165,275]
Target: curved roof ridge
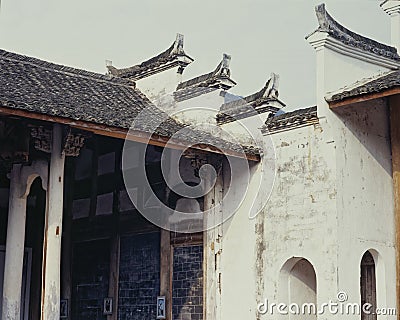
[139,71]
[268,93]
[222,71]
[329,25]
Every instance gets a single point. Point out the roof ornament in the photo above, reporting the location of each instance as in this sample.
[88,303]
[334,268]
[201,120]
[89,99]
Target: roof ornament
[323,17]
[178,45]
[272,86]
[223,68]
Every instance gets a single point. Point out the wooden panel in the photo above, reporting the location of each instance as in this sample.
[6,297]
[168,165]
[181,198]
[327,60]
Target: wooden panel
[66,244]
[394,104]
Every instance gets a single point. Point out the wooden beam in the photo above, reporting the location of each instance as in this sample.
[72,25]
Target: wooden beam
[363,98]
[166,271]
[120,133]
[394,104]
[184,239]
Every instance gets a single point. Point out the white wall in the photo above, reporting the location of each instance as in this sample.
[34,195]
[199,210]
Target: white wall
[201,109]
[160,84]
[332,200]
[365,198]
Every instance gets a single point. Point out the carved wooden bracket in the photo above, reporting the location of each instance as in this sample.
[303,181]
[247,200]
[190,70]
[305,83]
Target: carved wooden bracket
[41,138]
[73,142]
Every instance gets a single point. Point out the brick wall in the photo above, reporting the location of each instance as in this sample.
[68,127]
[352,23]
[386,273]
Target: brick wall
[139,276]
[187,283]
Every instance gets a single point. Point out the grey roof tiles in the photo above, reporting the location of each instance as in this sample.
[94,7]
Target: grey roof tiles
[290,120]
[41,87]
[372,85]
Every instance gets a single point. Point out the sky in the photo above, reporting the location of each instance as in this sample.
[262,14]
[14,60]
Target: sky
[262,36]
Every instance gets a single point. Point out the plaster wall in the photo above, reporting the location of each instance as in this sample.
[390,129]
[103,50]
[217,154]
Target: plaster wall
[159,84]
[201,109]
[332,200]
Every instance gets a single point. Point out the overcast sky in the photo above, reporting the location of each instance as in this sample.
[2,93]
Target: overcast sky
[261,35]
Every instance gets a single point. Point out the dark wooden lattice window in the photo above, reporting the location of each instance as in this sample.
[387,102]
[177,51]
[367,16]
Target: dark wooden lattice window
[368,285]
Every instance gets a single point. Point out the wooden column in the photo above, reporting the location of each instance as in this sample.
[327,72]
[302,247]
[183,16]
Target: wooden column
[394,104]
[66,242]
[53,231]
[165,271]
[14,248]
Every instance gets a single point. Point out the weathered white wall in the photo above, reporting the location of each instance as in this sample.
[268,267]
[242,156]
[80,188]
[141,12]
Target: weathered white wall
[200,109]
[332,201]
[159,84]
[364,178]
[302,287]
[298,221]
[365,198]
[246,130]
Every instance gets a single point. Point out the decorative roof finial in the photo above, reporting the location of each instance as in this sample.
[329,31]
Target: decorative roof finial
[223,67]
[178,45]
[323,17]
[271,87]
[226,60]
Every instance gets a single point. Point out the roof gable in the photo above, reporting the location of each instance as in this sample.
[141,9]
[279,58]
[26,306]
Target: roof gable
[220,78]
[262,101]
[336,30]
[172,57]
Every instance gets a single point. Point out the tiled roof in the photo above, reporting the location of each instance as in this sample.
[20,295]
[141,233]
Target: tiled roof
[290,120]
[372,85]
[173,56]
[38,86]
[259,102]
[333,28]
[41,87]
[219,78]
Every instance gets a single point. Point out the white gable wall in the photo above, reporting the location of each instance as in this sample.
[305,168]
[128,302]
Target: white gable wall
[365,198]
[159,84]
[332,201]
